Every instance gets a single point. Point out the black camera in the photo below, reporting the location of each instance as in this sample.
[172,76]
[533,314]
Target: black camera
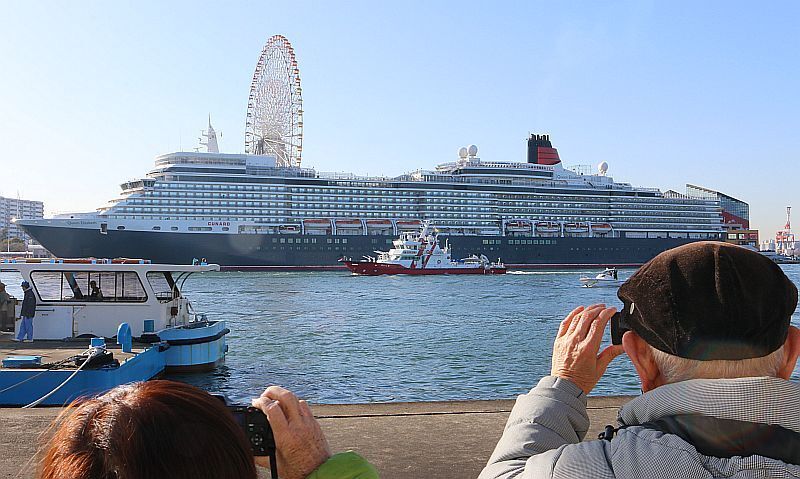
[256,428]
[619,326]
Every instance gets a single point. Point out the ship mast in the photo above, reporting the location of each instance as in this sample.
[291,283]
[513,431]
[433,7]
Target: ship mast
[211,138]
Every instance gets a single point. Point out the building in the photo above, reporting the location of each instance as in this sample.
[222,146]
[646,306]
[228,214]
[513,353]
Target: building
[735,215]
[15,208]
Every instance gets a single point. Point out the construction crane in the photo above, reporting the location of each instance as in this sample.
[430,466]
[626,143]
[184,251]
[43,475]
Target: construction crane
[784,239]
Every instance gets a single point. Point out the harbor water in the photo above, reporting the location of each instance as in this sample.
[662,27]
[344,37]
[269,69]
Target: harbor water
[333,337]
[337,338]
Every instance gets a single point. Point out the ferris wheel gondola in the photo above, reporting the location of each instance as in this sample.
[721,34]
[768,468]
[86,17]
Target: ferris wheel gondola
[274,124]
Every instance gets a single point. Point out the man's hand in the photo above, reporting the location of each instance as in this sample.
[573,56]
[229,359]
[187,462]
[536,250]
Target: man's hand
[301,445]
[577,344]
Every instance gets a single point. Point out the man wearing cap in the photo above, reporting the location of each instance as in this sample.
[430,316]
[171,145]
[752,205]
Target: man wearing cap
[710,339]
[26,314]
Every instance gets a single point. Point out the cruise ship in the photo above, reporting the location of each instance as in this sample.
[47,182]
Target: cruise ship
[246,211]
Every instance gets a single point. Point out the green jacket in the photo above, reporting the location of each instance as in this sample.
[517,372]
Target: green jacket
[345,465]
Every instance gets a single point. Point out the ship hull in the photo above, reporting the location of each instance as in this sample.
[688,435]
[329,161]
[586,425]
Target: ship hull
[321,252]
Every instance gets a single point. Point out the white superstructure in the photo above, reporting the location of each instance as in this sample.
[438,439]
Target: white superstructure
[250,194]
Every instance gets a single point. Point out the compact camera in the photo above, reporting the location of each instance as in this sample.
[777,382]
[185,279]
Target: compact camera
[256,428]
[619,326]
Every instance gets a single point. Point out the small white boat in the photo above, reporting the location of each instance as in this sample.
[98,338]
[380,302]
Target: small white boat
[91,297]
[609,277]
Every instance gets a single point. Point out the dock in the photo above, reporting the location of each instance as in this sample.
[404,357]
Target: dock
[17,388]
[54,351]
[446,440]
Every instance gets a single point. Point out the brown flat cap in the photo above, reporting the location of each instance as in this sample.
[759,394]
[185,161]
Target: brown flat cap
[710,300]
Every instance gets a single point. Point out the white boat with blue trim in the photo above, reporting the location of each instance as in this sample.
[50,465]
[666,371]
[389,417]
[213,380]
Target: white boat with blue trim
[135,303]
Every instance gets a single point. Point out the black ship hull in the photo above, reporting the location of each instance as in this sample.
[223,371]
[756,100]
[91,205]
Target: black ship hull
[320,252]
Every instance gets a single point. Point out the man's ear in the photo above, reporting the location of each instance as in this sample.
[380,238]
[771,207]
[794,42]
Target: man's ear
[642,358]
[791,351]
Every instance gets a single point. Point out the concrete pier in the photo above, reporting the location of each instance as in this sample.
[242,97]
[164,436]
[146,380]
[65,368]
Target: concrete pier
[403,440]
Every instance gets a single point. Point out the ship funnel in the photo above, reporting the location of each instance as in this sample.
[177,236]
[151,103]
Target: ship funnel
[541,151]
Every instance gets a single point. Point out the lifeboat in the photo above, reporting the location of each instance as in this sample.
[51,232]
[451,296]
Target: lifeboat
[348,226]
[517,226]
[547,227]
[576,228]
[379,224]
[317,224]
[348,223]
[409,224]
[288,229]
[601,228]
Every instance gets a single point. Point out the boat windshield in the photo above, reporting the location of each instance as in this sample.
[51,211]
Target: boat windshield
[100,286]
[163,285]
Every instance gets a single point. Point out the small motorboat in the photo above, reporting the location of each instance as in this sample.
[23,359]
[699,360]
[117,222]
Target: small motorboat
[609,277]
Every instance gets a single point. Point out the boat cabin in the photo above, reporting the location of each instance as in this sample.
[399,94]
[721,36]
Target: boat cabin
[83,298]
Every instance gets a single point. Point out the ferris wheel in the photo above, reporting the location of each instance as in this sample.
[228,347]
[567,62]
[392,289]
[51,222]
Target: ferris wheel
[274,123]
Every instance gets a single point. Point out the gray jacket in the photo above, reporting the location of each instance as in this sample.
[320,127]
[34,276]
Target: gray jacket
[543,433]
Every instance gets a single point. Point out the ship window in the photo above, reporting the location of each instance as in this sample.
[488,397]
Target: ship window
[120,227]
[156,228]
[174,228]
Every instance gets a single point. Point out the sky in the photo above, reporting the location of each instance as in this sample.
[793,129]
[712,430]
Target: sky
[667,93]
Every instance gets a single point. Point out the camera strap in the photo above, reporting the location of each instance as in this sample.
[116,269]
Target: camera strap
[273,464]
[725,438]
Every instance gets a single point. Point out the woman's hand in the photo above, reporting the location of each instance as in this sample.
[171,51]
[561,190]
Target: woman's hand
[301,445]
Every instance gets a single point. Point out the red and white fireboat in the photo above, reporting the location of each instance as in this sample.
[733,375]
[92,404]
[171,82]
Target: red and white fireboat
[420,253]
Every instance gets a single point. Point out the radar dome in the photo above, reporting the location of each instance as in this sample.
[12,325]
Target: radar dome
[473,150]
[602,168]
[462,152]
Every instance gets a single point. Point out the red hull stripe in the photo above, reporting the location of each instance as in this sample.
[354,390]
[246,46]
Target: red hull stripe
[374,269]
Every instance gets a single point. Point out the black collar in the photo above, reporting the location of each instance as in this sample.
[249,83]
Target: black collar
[727,438]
